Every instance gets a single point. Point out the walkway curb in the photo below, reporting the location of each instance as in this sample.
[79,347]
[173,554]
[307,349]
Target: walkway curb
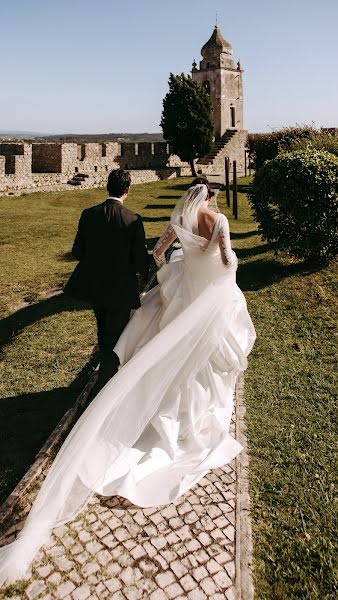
[244,545]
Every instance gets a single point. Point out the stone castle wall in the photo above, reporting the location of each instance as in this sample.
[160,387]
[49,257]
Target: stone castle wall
[30,166]
[46,158]
[50,166]
[226,92]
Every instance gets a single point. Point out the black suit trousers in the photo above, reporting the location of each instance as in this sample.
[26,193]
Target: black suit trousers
[110,324]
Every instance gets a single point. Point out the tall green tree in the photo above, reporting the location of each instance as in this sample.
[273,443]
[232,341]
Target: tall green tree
[187,120]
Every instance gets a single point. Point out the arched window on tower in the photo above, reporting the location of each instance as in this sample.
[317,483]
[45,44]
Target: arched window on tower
[206,86]
[232,116]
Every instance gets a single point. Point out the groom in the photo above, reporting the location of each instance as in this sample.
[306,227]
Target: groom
[110,248]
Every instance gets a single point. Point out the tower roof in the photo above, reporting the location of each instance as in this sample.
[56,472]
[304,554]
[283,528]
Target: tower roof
[216,44]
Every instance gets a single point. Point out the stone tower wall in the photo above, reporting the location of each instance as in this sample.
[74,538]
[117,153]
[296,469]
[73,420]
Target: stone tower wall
[226,89]
[235,149]
[232,95]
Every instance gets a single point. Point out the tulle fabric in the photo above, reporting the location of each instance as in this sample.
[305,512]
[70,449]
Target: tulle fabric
[162,422]
[185,213]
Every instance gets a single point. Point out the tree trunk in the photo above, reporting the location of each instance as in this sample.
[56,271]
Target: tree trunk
[193,170]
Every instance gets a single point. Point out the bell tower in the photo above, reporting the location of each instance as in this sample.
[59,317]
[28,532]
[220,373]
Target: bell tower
[219,76]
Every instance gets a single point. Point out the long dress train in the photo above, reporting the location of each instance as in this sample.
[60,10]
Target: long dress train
[162,422]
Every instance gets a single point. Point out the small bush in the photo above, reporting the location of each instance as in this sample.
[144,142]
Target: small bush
[295,199]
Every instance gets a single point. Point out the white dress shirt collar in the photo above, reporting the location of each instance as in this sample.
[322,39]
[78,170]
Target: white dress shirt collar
[114,198]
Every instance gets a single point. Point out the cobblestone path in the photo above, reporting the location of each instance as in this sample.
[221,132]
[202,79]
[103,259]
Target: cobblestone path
[114,550]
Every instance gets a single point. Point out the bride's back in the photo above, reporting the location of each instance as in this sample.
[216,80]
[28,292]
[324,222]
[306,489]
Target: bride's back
[206,222]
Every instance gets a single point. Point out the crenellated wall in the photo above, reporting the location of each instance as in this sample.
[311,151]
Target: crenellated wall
[48,166]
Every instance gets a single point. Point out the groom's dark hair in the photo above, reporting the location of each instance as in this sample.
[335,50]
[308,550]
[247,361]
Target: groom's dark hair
[118,182]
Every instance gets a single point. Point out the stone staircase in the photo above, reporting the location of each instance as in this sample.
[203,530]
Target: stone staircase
[220,144]
[78,179]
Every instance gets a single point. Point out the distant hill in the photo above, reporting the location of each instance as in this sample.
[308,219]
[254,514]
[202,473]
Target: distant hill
[20,134]
[105,137]
[82,137]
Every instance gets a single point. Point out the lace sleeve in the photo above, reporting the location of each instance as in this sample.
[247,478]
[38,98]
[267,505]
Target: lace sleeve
[227,254]
[163,244]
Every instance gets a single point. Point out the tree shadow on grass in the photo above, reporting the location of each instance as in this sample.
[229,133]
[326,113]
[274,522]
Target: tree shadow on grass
[243,188]
[258,274]
[254,251]
[27,420]
[11,325]
[243,234]
[181,186]
[159,207]
[155,219]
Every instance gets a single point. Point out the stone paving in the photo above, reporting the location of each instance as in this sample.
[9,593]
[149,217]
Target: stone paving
[189,549]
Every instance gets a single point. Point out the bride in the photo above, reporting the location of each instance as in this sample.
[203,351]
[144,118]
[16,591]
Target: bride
[162,421]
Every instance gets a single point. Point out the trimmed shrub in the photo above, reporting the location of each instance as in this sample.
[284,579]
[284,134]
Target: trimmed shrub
[319,141]
[265,146]
[295,200]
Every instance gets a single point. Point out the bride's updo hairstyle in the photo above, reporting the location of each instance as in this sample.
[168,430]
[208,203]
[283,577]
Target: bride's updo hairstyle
[203,181]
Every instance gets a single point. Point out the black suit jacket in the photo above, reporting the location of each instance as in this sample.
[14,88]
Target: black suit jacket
[110,247]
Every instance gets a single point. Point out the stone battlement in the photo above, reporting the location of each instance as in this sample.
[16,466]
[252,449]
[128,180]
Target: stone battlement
[49,165]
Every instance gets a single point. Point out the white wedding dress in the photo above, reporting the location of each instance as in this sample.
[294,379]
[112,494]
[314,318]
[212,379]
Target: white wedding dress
[162,422]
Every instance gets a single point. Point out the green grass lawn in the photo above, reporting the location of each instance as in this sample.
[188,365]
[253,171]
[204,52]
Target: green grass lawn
[47,356]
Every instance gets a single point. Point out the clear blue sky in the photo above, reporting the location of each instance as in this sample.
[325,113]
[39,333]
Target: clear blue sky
[103,65]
